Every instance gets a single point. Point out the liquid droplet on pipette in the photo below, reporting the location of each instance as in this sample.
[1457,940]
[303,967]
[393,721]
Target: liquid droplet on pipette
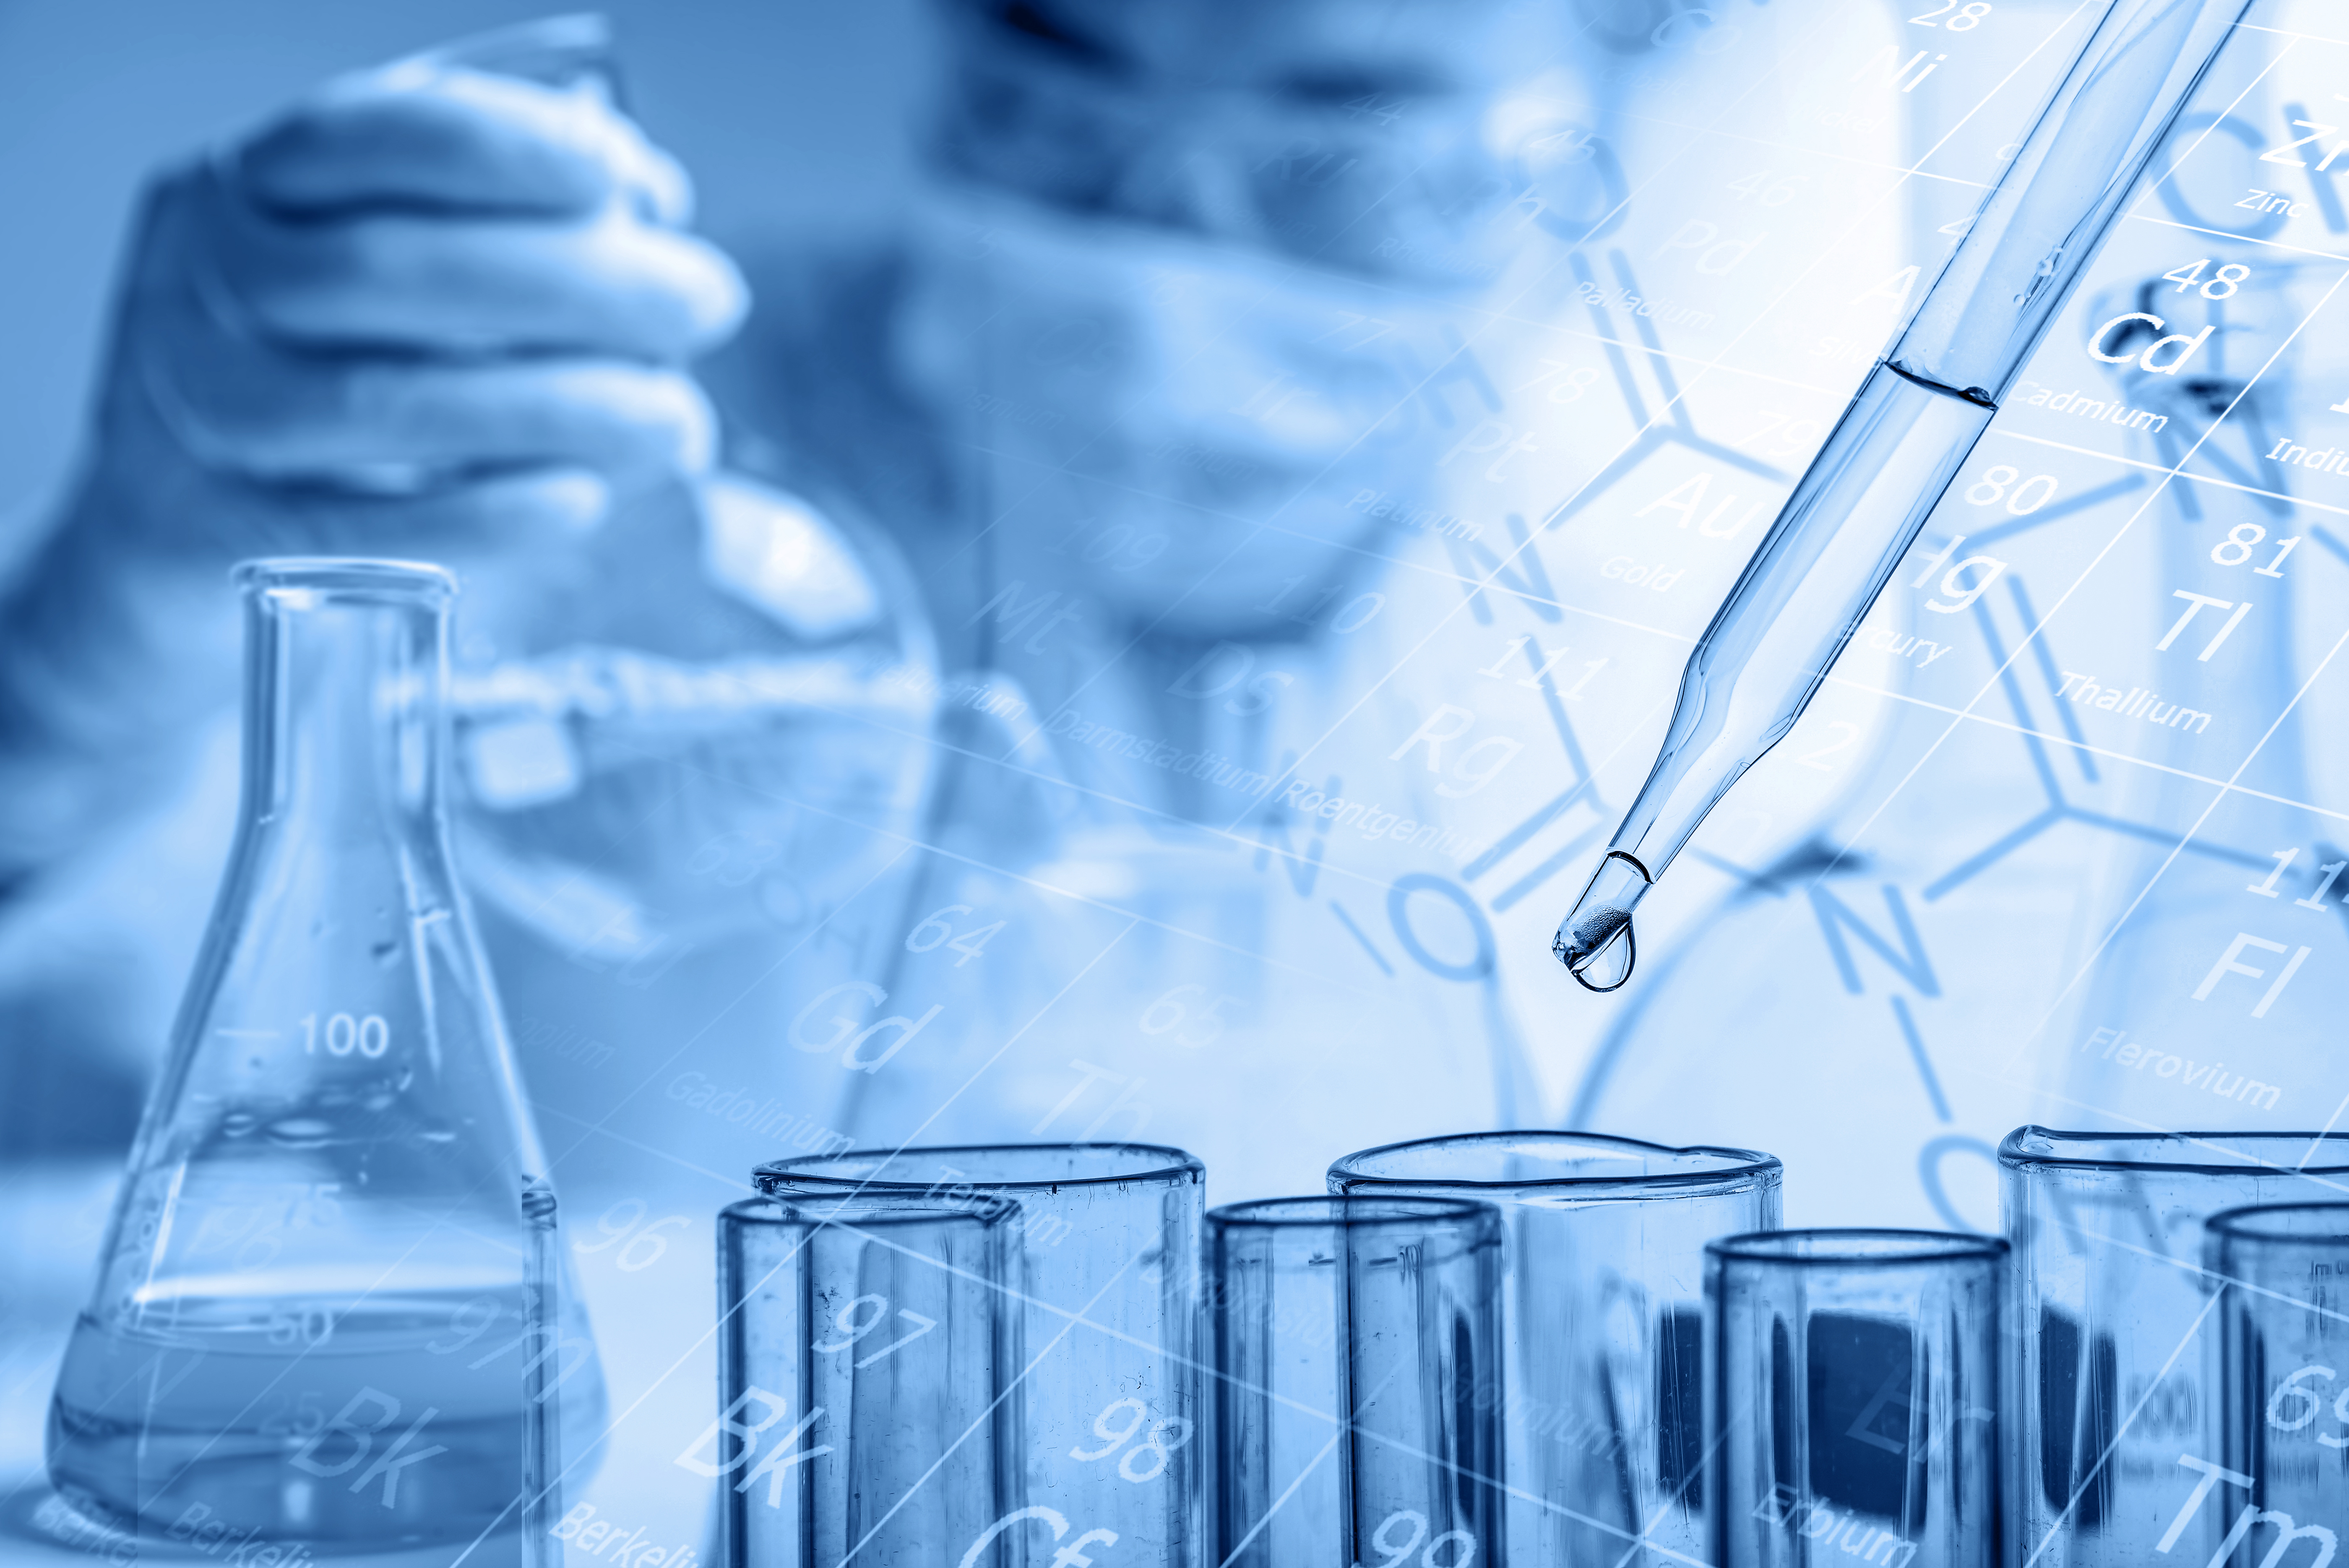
[1594,941]
[1599,950]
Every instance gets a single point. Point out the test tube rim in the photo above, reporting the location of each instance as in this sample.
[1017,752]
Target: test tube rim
[2014,1155]
[1737,1170]
[357,576]
[2236,1224]
[1403,1207]
[781,1211]
[1846,1247]
[776,1177]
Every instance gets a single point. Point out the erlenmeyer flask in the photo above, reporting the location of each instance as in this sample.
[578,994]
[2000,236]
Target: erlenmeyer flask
[330,1304]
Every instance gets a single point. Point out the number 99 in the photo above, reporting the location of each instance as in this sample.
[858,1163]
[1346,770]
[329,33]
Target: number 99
[1394,1554]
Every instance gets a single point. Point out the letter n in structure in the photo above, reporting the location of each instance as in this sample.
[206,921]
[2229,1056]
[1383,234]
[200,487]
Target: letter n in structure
[1304,868]
[1909,960]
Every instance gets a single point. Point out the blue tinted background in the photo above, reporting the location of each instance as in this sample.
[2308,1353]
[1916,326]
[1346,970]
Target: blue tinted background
[789,114]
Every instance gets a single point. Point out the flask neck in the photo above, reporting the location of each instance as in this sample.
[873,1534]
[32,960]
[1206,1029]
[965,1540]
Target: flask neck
[346,688]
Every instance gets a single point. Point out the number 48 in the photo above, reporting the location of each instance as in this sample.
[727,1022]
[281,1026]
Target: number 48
[2222,284]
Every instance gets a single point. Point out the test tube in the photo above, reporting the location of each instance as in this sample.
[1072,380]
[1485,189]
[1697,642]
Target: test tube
[1107,1238]
[2281,1454]
[2110,1380]
[1602,1302]
[1853,1389]
[866,1402]
[1900,443]
[1358,1390]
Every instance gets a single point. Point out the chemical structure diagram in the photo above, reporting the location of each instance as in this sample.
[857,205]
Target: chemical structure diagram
[2203,453]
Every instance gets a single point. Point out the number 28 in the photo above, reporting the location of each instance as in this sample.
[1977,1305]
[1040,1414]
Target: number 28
[1965,21]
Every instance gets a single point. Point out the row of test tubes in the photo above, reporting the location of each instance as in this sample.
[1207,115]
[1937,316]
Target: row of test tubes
[1533,1348]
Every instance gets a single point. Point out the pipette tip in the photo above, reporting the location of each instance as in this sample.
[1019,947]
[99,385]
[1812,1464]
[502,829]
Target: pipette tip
[1595,941]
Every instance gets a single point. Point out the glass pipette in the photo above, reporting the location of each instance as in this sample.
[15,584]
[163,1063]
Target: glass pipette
[1900,443]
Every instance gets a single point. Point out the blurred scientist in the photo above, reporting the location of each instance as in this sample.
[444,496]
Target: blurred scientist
[1007,728]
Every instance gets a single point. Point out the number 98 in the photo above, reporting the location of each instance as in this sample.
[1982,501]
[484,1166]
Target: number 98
[1160,1442]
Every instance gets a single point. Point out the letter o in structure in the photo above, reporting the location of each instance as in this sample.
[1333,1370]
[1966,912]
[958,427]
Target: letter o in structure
[1929,1172]
[1399,915]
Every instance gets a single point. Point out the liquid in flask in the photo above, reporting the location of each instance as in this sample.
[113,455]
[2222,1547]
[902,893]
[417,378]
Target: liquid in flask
[333,1305]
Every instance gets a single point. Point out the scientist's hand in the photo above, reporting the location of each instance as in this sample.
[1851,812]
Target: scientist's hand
[428,312]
